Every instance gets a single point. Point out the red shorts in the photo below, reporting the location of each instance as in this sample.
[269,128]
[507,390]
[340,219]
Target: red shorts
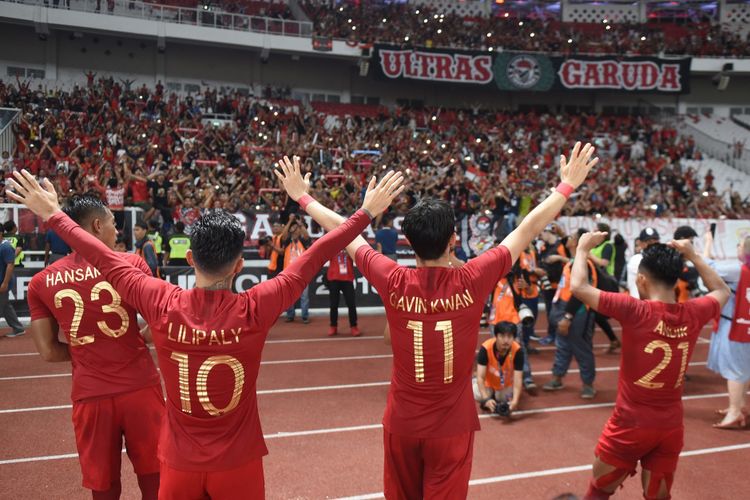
[657,449]
[432,468]
[100,426]
[244,482]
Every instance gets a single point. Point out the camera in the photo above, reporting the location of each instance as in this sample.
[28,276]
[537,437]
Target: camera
[544,282]
[502,409]
[525,314]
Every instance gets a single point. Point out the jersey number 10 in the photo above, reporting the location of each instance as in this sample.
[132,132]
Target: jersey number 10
[441,326]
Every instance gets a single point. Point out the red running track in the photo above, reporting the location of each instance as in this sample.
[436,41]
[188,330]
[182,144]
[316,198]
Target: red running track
[321,401]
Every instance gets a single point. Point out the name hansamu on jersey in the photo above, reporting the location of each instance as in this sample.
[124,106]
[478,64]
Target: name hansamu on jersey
[108,353]
[434,315]
[658,340]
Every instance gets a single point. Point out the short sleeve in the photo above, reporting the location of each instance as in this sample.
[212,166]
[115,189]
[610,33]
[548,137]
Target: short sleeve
[704,309]
[487,269]
[482,358]
[623,308]
[37,308]
[375,267]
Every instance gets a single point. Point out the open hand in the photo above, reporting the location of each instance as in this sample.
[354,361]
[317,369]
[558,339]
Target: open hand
[575,170]
[589,241]
[379,197]
[40,200]
[291,178]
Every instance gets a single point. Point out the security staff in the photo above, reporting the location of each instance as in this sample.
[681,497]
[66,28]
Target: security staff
[177,246]
[11,234]
[154,235]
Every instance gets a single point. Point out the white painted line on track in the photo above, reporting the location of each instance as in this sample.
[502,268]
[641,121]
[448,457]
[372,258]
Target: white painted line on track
[19,354]
[561,470]
[334,430]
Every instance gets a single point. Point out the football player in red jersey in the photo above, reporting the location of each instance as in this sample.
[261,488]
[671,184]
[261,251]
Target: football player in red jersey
[433,312]
[209,340]
[116,388]
[658,338]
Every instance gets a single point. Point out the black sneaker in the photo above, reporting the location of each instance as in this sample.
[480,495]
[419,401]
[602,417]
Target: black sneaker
[15,333]
[306,320]
[288,320]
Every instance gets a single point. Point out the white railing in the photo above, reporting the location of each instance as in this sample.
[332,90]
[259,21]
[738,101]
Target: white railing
[209,18]
[7,137]
[713,147]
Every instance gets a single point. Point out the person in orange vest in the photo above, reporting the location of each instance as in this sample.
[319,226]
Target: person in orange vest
[504,309]
[500,362]
[295,243]
[575,329]
[275,250]
[145,248]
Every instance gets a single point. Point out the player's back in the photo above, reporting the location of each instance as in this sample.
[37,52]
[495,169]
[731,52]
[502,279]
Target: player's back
[658,340]
[209,344]
[108,353]
[433,314]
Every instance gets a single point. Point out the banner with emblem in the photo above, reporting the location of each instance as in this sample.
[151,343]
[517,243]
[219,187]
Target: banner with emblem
[522,71]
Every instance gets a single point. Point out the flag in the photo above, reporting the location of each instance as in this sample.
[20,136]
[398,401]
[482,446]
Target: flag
[473,173]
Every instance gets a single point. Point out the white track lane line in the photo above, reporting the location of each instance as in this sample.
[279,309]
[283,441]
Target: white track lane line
[331,387]
[563,470]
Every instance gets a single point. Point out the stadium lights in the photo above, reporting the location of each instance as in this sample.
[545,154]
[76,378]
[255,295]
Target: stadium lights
[491,49]
[643,38]
[453,160]
[425,21]
[439,31]
[385,20]
[532,35]
[510,151]
[443,146]
[270,108]
[520,23]
[705,194]
[535,166]
[467,158]
[506,14]
[434,117]
[440,20]
[428,141]
[406,38]
[384,167]
[263,123]
[598,216]
[354,28]
[654,207]
[570,40]
[609,27]
[417,12]
[435,16]
[489,35]
[349,20]
[341,9]
[377,144]
[275,113]
[479,140]
[255,119]
[605,20]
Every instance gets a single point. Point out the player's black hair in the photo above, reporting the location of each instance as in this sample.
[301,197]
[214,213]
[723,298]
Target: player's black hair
[216,240]
[83,208]
[179,227]
[505,327]
[429,225]
[603,227]
[9,226]
[154,225]
[142,225]
[662,263]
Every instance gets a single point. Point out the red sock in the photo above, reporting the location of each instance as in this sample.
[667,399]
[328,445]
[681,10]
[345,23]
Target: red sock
[149,485]
[113,493]
[595,493]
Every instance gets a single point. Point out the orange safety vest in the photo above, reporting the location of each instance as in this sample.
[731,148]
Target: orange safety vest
[492,378]
[292,251]
[527,261]
[503,305]
[681,292]
[139,253]
[273,262]
[564,292]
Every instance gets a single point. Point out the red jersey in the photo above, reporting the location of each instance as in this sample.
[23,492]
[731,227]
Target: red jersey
[107,351]
[209,344]
[139,191]
[657,343]
[434,315]
[341,268]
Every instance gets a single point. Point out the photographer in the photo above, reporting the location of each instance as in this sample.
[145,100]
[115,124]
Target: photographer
[500,363]
[552,258]
[295,241]
[506,307]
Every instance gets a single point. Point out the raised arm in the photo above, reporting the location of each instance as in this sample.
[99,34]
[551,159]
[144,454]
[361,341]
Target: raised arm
[144,292]
[572,174]
[717,288]
[297,187]
[579,275]
[277,294]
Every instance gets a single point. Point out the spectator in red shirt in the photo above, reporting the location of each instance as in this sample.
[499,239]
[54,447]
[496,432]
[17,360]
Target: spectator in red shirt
[340,276]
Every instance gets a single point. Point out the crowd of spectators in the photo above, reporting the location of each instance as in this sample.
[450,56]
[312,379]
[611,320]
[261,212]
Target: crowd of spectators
[144,147]
[404,24]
